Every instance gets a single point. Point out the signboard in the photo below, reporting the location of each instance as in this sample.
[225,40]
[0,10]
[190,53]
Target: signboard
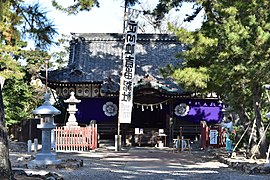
[128,72]
[138,130]
[213,136]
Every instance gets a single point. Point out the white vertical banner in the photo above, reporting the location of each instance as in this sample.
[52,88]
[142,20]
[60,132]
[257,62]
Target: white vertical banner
[128,69]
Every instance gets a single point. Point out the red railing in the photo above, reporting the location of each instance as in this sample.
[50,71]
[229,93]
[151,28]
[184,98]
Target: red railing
[76,138]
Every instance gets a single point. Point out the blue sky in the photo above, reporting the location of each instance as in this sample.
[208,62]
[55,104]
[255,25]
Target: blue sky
[108,18]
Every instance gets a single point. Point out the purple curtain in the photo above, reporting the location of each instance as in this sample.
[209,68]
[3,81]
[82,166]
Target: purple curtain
[92,109]
[206,110]
[198,110]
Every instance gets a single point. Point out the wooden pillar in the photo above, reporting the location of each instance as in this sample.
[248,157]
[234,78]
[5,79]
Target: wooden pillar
[203,134]
[171,123]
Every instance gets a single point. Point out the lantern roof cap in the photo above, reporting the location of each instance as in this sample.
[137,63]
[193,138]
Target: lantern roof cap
[46,107]
[72,99]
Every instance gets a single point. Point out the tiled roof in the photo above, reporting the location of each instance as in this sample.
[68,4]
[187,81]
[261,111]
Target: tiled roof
[96,57]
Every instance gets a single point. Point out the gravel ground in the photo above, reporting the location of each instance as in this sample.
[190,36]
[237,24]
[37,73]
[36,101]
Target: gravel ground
[147,163]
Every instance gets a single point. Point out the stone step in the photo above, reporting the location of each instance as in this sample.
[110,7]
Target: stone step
[106,142]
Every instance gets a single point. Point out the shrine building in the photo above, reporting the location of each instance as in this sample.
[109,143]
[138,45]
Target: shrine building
[160,105]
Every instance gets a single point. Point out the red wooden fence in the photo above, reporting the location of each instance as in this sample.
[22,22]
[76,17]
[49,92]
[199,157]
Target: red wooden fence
[205,138]
[76,138]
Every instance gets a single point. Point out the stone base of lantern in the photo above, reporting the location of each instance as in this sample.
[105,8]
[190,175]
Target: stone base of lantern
[72,124]
[267,163]
[44,159]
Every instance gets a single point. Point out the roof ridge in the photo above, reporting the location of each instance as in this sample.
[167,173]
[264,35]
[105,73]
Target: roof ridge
[119,37]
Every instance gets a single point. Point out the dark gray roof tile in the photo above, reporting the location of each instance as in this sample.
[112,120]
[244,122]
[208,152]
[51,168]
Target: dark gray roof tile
[96,57]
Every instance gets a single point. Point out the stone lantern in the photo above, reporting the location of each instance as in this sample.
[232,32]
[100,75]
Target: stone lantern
[72,101]
[46,111]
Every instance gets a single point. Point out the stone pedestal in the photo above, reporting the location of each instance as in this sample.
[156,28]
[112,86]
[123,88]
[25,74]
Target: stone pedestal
[267,163]
[118,143]
[72,121]
[47,156]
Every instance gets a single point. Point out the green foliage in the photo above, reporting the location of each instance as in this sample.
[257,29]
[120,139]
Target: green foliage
[19,97]
[76,7]
[35,60]
[10,41]
[36,25]
[233,45]
[19,21]
[19,101]
[192,78]
[164,6]
[61,57]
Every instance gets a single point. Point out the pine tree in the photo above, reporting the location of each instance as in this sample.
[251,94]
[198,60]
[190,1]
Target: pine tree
[231,54]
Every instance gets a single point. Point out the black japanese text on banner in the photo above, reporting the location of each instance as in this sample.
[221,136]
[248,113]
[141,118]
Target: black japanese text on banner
[128,72]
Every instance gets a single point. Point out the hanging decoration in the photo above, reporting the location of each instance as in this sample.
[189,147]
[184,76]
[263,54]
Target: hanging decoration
[110,109]
[181,109]
[151,106]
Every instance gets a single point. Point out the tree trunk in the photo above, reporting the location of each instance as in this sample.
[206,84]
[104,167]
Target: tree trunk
[259,123]
[5,166]
[245,120]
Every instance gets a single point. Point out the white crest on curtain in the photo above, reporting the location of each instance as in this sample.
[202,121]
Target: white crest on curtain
[181,109]
[110,109]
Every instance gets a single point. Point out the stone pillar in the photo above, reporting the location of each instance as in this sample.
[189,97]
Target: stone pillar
[35,145]
[117,142]
[46,140]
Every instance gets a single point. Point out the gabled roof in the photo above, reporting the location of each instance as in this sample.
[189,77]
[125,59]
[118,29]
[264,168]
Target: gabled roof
[96,57]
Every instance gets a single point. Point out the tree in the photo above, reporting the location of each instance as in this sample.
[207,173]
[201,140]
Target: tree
[5,166]
[165,6]
[9,68]
[232,47]
[148,21]
[76,7]
[19,21]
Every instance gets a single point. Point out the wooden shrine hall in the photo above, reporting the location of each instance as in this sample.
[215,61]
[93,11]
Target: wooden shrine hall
[160,105]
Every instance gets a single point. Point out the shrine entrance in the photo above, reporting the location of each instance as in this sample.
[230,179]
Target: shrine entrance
[149,125]
[150,118]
